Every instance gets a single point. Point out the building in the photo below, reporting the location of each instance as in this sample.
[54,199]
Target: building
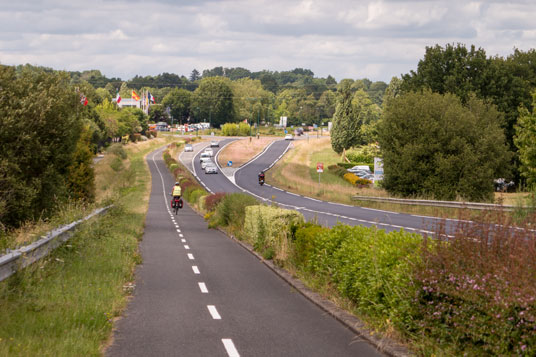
[129,103]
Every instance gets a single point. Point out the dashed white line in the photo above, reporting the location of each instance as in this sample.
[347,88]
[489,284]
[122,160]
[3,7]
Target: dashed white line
[191,256]
[183,240]
[178,230]
[293,194]
[214,312]
[203,288]
[230,347]
[181,235]
[196,269]
[186,247]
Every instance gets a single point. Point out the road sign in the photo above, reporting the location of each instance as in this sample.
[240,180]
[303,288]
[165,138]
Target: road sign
[229,163]
[320,167]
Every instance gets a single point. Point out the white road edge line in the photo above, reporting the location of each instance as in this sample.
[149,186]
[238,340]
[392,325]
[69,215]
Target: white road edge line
[213,312]
[230,347]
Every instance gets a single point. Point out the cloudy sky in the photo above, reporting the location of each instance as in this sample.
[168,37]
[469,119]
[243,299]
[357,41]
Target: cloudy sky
[376,39]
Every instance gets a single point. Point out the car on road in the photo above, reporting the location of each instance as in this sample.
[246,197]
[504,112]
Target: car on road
[204,155]
[188,148]
[204,163]
[289,137]
[209,151]
[214,144]
[359,168]
[211,169]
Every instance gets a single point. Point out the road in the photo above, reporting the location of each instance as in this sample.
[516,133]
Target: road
[198,293]
[326,213]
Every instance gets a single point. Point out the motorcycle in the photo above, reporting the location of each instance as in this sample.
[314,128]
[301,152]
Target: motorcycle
[261,181]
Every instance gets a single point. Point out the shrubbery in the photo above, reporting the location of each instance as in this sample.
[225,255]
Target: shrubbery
[232,129]
[232,210]
[356,180]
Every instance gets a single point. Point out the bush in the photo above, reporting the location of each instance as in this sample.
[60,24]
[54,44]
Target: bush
[213,200]
[304,243]
[117,150]
[337,170]
[194,195]
[232,129]
[356,180]
[477,292]
[268,229]
[231,210]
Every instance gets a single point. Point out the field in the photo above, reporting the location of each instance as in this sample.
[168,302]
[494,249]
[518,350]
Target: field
[243,150]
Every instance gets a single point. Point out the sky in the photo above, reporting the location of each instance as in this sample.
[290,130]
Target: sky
[374,39]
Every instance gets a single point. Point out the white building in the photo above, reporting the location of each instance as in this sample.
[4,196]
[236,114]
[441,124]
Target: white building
[129,103]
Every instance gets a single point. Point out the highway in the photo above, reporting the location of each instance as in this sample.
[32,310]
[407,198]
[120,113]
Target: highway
[326,213]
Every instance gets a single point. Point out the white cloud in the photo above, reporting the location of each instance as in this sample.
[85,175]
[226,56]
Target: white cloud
[346,38]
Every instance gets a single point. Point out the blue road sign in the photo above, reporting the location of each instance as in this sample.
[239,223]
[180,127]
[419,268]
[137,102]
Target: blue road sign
[229,163]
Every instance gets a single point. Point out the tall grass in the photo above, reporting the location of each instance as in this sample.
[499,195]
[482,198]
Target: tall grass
[65,304]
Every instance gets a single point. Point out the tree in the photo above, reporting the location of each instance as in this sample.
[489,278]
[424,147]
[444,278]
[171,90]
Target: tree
[367,115]
[250,99]
[393,90]
[39,132]
[346,128]
[178,101]
[433,145]
[326,104]
[525,141]
[81,176]
[213,101]
[195,75]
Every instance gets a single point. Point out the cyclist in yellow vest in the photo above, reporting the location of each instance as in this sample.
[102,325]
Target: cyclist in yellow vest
[176,193]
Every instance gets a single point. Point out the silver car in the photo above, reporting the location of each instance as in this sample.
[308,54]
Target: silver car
[211,169]
[206,162]
[188,148]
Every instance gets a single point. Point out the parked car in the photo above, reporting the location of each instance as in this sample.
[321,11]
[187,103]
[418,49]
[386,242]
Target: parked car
[289,137]
[214,144]
[188,148]
[205,162]
[211,169]
[358,168]
[209,151]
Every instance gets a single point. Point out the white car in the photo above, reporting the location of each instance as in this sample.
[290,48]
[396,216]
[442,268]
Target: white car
[289,137]
[211,169]
[214,144]
[209,151]
[188,147]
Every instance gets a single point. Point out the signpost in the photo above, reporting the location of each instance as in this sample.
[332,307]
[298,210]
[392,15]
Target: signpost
[319,169]
[229,163]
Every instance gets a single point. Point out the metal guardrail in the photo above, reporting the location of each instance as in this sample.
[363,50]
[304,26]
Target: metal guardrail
[452,204]
[20,258]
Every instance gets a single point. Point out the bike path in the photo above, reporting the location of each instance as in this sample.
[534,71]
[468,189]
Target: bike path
[198,293]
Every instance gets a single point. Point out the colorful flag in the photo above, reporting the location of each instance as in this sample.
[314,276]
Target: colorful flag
[151,98]
[135,95]
[118,98]
[83,100]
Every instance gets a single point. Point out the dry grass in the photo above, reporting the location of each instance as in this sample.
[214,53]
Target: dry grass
[241,151]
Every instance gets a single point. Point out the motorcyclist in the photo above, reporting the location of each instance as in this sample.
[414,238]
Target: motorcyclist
[176,193]
[261,176]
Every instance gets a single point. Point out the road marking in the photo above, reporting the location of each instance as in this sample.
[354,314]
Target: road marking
[293,194]
[191,256]
[183,240]
[178,230]
[213,312]
[195,269]
[186,247]
[203,288]
[181,235]
[313,199]
[230,347]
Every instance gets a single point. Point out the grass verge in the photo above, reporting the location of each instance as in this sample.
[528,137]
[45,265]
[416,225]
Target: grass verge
[65,304]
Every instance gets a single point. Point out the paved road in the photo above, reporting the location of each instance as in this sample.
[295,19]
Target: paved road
[327,213]
[200,294]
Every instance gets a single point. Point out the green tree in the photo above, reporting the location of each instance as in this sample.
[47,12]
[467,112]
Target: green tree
[251,100]
[433,145]
[215,100]
[178,101]
[525,140]
[368,114]
[81,176]
[346,131]
[39,130]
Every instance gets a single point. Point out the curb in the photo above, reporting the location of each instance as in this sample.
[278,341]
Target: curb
[385,345]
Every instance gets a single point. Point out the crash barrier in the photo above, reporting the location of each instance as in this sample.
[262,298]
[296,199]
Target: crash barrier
[452,204]
[22,257]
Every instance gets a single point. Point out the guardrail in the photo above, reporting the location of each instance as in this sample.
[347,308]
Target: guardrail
[452,204]
[20,258]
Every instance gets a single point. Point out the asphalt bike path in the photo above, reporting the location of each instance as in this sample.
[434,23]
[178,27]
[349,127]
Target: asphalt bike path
[199,293]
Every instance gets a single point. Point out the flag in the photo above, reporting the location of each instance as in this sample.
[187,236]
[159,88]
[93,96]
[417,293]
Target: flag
[135,95]
[83,100]
[151,98]
[118,98]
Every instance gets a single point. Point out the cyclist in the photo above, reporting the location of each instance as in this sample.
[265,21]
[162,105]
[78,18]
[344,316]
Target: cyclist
[176,193]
